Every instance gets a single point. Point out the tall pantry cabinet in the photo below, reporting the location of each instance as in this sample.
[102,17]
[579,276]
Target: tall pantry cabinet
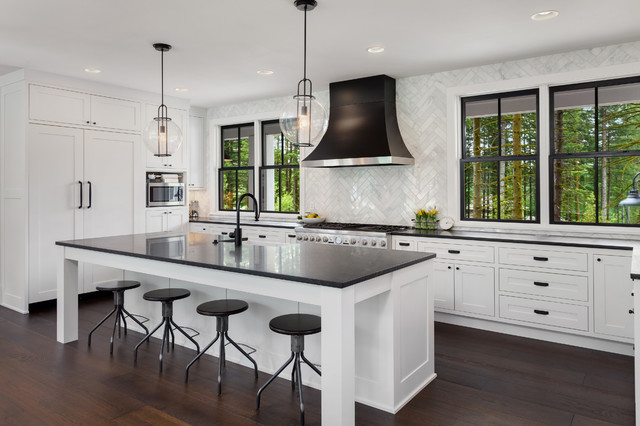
[72,166]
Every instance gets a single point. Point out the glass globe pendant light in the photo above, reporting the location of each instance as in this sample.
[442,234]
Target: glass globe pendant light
[304,120]
[162,136]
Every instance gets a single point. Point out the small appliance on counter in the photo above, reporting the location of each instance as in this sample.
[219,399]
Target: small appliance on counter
[194,208]
[165,189]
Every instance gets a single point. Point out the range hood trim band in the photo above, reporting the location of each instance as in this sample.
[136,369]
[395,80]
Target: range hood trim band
[360,161]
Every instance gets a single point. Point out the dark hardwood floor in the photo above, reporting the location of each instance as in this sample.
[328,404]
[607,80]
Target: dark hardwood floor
[483,379]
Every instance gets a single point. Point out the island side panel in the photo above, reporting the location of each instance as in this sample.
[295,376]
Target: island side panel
[67,305]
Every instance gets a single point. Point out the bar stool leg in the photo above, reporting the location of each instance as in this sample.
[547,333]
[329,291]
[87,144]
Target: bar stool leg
[186,373]
[135,320]
[255,365]
[185,334]
[299,379]
[145,338]
[272,378]
[221,363]
[100,323]
[313,367]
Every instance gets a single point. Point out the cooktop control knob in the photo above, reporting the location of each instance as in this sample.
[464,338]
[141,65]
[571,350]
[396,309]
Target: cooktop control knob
[338,240]
[373,243]
[364,242]
[325,239]
[312,238]
[306,238]
[383,243]
[352,241]
[299,237]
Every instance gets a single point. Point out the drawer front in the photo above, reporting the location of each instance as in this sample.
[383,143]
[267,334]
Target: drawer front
[457,252]
[570,261]
[404,244]
[262,235]
[571,287]
[548,313]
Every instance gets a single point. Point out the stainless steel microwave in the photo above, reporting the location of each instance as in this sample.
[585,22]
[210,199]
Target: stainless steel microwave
[165,190]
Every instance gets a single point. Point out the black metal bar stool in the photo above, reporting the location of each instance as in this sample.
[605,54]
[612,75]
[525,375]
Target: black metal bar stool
[118,288]
[297,326]
[221,309]
[167,297]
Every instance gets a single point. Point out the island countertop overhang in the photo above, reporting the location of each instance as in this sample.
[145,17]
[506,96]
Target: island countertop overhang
[337,267]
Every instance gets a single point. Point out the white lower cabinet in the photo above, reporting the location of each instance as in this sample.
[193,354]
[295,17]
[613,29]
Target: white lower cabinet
[612,287]
[257,234]
[166,220]
[543,312]
[464,288]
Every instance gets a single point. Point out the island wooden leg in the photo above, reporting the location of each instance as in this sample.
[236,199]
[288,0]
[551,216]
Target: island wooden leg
[67,281]
[338,356]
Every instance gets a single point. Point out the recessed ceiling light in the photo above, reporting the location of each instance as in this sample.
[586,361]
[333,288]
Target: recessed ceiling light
[93,70]
[544,15]
[181,89]
[375,49]
[265,72]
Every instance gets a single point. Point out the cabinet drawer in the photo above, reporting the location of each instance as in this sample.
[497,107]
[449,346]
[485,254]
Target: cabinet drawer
[404,244]
[570,261]
[547,313]
[571,287]
[456,252]
[258,235]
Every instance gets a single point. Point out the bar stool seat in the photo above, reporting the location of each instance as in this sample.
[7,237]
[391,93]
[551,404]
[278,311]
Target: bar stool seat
[221,309]
[297,326]
[118,288]
[166,296]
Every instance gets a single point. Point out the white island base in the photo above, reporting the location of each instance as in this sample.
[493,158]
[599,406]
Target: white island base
[384,324]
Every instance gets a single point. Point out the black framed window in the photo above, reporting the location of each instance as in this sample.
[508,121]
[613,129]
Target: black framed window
[237,166]
[280,171]
[499,165]
[595,151]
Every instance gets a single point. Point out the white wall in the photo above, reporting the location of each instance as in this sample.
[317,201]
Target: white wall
[391,194]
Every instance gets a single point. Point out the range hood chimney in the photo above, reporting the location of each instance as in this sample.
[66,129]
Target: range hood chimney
[363,127]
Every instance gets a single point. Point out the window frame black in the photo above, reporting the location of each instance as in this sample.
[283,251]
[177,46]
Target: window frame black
[222,169]
[590,155]
[499,158]
[279,167]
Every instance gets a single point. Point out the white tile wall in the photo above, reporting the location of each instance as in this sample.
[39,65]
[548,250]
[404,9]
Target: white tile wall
[391,194]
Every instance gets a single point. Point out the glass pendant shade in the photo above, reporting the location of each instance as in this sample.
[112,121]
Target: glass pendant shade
[163,137]
[304,120]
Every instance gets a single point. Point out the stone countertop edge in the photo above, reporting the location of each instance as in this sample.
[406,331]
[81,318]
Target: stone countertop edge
[266,224]
[334,284]
[524,238]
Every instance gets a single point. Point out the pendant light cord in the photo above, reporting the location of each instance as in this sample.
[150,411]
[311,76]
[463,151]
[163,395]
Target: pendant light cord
[162,76]
[304,72]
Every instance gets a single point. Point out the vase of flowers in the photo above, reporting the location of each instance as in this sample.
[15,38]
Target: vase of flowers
[429,218]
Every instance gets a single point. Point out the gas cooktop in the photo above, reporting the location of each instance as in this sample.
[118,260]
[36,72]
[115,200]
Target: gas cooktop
[351,234]
[358,227]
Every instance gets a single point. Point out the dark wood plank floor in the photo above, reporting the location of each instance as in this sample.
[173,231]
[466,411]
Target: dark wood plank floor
[483,379]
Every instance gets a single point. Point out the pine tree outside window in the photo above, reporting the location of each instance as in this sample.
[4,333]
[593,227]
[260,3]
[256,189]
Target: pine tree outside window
[237,166]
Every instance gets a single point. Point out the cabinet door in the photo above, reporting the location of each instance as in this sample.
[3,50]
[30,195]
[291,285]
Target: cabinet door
[474,289]
[115,113]
[109,172]
[196,153]
[55,168]
[176,220]
[59,106]
[178,159]
[155,220]
[612,287]
[443,285]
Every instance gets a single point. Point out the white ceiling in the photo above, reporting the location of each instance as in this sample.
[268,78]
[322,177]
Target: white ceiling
[220,44]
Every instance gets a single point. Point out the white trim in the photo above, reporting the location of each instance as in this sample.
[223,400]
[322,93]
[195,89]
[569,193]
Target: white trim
[541,82]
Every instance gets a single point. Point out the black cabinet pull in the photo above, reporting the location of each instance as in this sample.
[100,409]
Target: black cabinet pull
[90,193]
[599,260]
[224,233]
[539,312]
[454,251]
[540,284]
[80,182]
[631,311]
[448,267]
[404,244]
[541,259]
[457,268]
[291,235]
[262,236]
[204,229]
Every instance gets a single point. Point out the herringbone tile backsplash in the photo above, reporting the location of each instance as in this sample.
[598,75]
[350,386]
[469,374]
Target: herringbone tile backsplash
[391,194]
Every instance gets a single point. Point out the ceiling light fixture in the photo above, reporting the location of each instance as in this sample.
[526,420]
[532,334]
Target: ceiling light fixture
[633,199]
[93,70]
[304,120]
[181,89]
[375,49]
[163,136]
[265,72]
[545,15]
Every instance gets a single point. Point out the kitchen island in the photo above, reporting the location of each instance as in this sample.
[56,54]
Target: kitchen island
[398,347]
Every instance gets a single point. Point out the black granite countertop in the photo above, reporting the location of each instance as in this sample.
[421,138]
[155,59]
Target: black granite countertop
[594,241]
[332,266]
[248,222]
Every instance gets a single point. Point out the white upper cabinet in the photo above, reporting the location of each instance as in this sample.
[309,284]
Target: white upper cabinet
[179,159]
[51,105]
[196,152]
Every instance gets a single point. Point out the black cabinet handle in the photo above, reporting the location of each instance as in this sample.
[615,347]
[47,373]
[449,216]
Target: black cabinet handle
[457,268]
[262,236]
[631,311]
[540,284]
[88,122]
[80,182]
[291,235]
[541,259]
[539,312]
[90,193]
[224,233]
[454,251]
[599,260]
[448,267]
[404,244]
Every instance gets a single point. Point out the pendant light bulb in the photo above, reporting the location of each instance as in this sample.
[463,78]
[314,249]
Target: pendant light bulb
[162,136]
[304,120]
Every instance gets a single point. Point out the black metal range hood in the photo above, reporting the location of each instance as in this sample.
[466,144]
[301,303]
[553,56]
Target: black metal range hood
[363,126]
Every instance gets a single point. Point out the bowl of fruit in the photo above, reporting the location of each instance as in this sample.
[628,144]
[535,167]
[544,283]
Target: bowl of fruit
[312,218]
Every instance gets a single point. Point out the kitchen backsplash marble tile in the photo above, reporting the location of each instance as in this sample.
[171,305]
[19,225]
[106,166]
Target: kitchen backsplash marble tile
[391,194]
